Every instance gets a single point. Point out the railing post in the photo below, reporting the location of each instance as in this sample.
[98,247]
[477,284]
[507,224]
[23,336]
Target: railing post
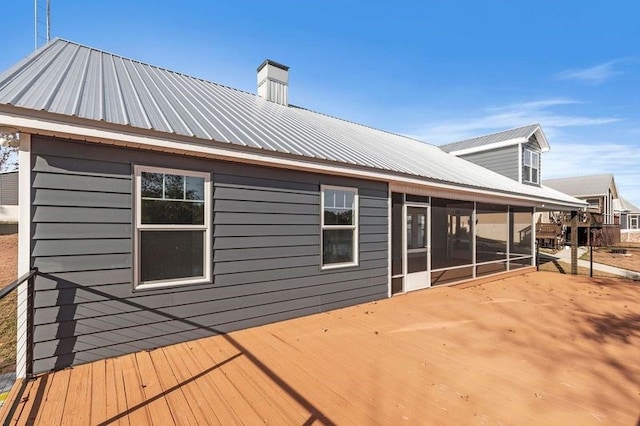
[30,324]
[537,256]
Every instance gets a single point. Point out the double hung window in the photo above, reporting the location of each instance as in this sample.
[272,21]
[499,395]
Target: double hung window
[172,235]
[531,169]
[339,226]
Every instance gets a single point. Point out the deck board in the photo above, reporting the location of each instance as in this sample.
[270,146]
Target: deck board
[79,389]
[158,407]
[523,350]
[98,413]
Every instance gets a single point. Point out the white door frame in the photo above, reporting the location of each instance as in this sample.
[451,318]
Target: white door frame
[416,280]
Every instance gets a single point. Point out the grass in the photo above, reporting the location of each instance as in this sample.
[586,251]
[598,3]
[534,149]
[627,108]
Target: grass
[8,333]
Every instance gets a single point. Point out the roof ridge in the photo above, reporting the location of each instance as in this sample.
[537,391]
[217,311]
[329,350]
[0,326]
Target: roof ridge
[582,176]
[490,134]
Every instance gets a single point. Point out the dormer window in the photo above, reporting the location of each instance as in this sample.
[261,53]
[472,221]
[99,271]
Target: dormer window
[531,169]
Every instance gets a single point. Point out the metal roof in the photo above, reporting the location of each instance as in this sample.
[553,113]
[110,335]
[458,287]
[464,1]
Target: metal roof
[69,79]
[582,186]
[519,133]
[625,205]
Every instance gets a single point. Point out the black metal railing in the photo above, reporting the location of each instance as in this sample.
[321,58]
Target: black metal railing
[29,277]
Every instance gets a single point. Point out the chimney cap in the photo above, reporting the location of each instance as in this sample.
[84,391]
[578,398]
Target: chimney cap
[274,63]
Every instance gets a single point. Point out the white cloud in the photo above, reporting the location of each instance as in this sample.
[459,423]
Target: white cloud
[593,75]
[509,116]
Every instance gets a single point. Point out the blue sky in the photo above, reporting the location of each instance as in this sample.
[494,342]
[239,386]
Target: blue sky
[436,70]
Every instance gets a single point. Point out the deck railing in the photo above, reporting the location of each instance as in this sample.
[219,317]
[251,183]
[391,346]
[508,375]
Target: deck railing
[29,278]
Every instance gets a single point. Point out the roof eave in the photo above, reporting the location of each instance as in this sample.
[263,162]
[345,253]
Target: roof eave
[53,125]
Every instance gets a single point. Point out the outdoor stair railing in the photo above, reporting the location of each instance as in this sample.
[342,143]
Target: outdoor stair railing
[29,277]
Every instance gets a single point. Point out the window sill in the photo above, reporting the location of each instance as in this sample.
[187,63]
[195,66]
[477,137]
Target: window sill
[170,284]
[338,266]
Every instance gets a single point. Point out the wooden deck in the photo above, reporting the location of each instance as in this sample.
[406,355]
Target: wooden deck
[524,350]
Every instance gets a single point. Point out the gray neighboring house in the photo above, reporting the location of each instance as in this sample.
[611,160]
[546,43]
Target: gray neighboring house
[514,153]
[161,208]
[599,191]
[9,197]
[629,214]
[629,220]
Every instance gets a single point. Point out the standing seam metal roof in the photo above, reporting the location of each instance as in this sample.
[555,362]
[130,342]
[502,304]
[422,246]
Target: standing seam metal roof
[70,79]
[582,186]
[520,132]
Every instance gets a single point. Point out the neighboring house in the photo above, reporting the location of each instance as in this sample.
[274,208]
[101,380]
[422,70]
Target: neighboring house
[600,224]
[514,153]
[629,213]
[9,197]
[161,208]
[599,191]
[629,220]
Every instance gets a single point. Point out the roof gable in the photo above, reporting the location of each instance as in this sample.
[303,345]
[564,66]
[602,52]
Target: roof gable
[498,140]
[625,205]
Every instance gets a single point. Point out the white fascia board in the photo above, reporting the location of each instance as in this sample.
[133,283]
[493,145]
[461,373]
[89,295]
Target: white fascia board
[53,128]
[542,139]
[24,250]
[488,147]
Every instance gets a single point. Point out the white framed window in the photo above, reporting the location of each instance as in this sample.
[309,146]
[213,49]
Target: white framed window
[339,218]
[172,239]
[634,222]
[531,169]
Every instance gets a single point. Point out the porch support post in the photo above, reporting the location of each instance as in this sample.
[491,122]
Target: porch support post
[574,242]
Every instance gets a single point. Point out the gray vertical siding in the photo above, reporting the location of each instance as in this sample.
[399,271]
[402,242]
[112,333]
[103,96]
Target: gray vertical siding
[9,189]
[266,253]
[500,160]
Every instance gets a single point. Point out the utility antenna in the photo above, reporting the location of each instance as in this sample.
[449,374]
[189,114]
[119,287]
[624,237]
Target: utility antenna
[42,22]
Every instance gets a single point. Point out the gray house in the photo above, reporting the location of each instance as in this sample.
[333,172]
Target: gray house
[8,199]
[514,153]
[160,207]
[599,191]
[629,214]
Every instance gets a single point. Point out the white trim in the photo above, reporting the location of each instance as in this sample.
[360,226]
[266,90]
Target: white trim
[532,153]
[520,160]
[474,236]
[389,252]
[534,240]
[138,226]
[489,147]
[87,133]
[24,250]
[355,227]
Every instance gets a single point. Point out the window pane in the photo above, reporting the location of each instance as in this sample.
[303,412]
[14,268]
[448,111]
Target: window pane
[168,255]
[338,217]
[534,159]
[159,212]
[527,157]
[337,245]
[491,232]
[151,185]
[195,188]
[339,207]
[451,233]
[174,187]
[526,172]
[520,233]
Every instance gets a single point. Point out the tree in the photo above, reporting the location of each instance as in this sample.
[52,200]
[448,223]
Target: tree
[8,159]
